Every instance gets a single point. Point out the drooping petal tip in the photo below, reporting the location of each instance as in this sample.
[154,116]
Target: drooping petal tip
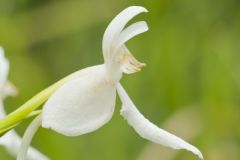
[200,155]
[148,130]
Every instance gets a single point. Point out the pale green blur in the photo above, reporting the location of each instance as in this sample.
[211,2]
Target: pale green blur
[192,56]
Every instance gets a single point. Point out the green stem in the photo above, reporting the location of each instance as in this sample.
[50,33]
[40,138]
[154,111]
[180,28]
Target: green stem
[23,111]
[32,114]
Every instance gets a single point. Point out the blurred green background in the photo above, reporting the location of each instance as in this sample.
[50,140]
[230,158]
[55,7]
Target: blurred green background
[191,85]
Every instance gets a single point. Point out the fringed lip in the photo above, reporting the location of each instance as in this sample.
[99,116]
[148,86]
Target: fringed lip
[129,64]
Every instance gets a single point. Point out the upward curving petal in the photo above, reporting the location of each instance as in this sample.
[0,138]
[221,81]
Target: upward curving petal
[82,105]
[130,32]
[116,26]
[4,67]
[148,130]
[128,63]
[24,150]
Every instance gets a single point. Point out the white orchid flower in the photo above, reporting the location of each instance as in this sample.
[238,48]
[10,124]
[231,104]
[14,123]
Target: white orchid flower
[11,141]
[86,101]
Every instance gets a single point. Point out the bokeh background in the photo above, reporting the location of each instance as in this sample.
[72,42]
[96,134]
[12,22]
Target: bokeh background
[191,85]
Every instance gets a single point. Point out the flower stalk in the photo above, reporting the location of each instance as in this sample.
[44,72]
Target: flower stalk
[32,114]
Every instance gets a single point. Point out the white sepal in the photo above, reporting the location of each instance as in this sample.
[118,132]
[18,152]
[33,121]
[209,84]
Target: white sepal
[128,63]
[115,27]
[148,130]
[130,32]
[24,152]
[82,104]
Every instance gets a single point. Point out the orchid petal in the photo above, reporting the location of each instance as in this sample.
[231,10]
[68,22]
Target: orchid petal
[23,152]
[130,32]
[129,64]
[82,105]
[148,130]
[4,67]
[116,26]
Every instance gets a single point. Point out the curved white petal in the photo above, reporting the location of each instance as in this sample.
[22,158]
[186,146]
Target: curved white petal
[148,130]
[130,32]
[4,67]
[82,105]
[23,152]
[116,26]
[128,63]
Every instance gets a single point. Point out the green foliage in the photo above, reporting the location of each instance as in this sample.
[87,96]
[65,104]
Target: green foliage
[192,56]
